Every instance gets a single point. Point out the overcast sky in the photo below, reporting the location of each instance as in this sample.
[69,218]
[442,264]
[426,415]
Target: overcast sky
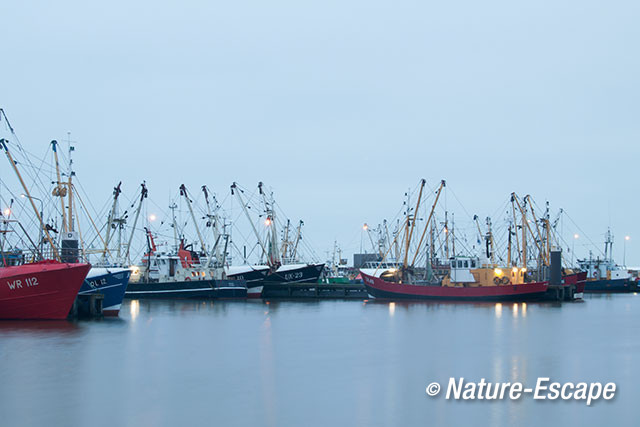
[340,106]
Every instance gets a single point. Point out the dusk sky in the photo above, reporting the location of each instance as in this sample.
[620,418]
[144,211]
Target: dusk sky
[339,106]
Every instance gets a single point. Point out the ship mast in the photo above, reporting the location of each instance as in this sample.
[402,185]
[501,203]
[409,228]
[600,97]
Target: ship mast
[525,227]
[183,192]
[174,224]
[387,239]
[446,234]
[60,190]
[413,223]
[112,214]
[515,222]
[285,240]
[273,254]
[426,226]
[373,245]
[509,246]
[453,236]
[69,184]
[608,247]
[487,237]
[334,267]
[432,251]
[298,237]
[3,143]
[143,195]
[234,187]
[544,255]
[212,221]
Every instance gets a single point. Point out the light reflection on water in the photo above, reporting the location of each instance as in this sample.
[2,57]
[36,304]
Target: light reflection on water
[316,363]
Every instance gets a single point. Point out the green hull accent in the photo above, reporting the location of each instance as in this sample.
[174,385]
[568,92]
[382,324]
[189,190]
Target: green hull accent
[341,280]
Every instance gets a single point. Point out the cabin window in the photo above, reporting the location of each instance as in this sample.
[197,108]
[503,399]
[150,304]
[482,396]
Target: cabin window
[473,263]
[459,264]
[453,264]
[466,264]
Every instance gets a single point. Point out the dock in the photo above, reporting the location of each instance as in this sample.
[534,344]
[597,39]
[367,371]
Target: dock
[87,306]
[315,290]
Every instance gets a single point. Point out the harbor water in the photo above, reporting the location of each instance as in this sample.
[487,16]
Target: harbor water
[318,363]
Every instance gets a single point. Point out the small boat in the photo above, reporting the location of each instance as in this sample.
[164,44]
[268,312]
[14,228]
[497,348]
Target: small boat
[111,282]
[41,290]
[604,275]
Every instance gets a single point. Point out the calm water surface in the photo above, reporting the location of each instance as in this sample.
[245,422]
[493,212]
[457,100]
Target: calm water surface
[320,363]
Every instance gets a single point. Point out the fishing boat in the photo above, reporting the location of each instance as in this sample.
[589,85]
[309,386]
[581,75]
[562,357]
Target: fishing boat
[604,275]
[44,289]
[110,281]
[40,290]
[253,275]
[282,264]
[471,278]
[336,270]
[295,273]
[378,287]
[471,283]
[181,275]
[185,272]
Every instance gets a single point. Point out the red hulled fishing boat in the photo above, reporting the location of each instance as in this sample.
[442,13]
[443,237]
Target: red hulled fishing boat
[379,288]
[533,271]
[41,290]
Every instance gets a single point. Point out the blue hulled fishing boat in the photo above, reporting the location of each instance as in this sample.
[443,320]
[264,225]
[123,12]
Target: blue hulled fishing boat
[111,283]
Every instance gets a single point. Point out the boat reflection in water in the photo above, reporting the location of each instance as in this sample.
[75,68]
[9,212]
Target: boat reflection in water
[368,362]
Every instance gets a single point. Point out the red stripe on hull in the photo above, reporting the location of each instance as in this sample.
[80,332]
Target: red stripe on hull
[507,292]
[43,290]
[254,292]
[254,296]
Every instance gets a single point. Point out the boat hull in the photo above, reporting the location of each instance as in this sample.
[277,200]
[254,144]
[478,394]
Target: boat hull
[610,286]
[112,283]
[576,282]
[44,290]
[257,278]
[381,289]
[187,289]
[253,277]
[309,273]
